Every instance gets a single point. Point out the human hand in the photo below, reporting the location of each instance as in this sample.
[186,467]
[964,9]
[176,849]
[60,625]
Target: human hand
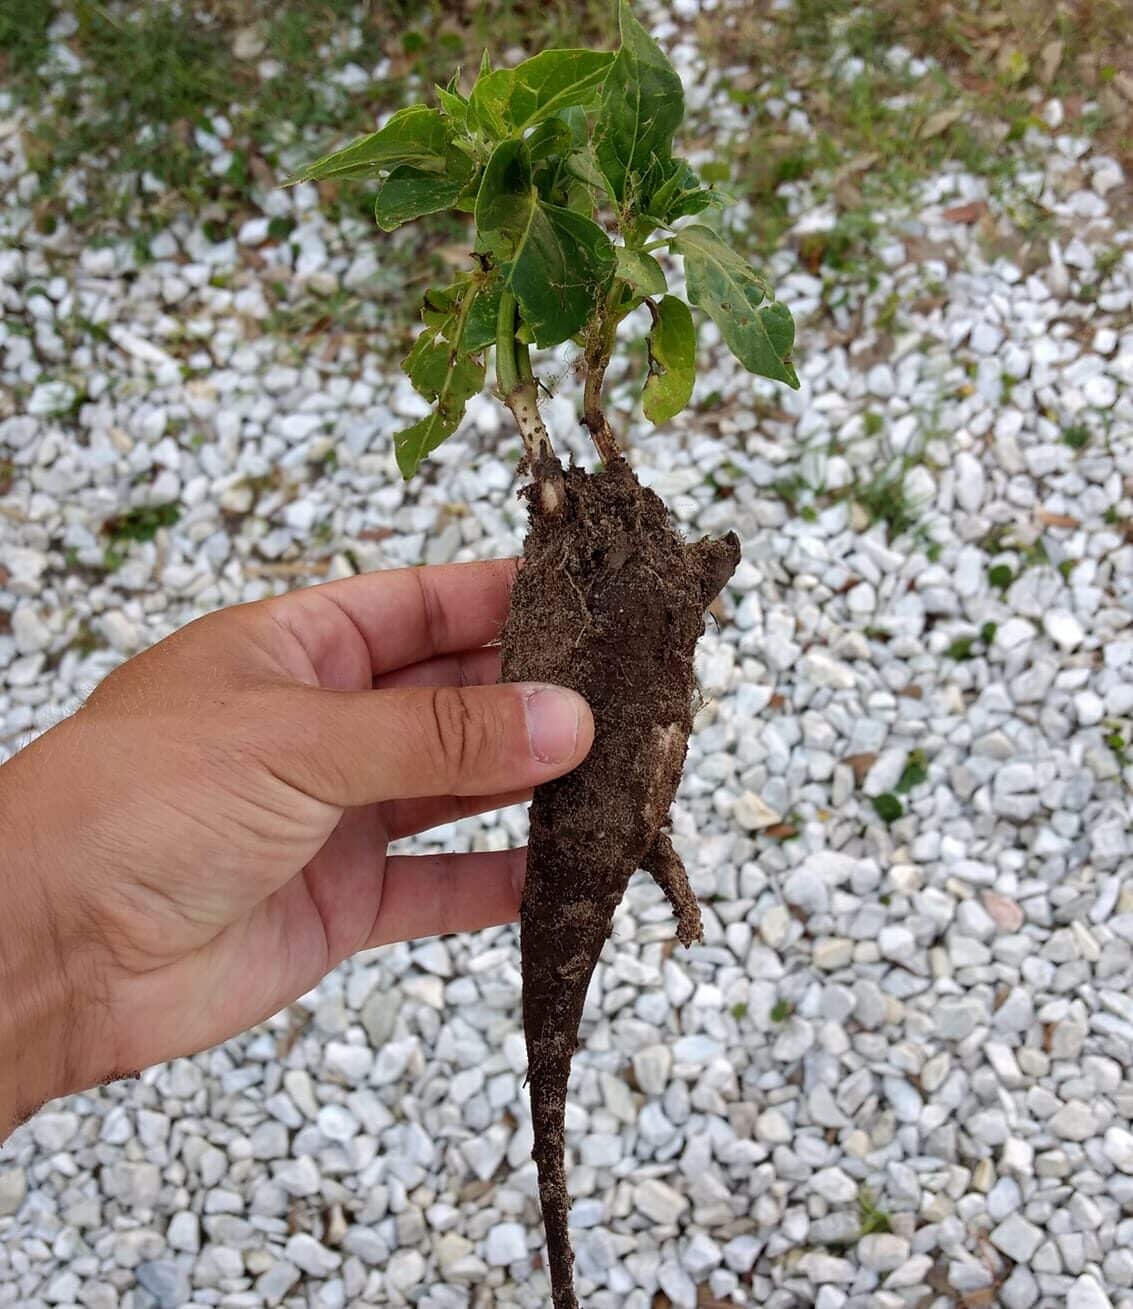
[207,836]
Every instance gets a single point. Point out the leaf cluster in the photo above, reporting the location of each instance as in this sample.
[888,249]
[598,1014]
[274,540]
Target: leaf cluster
[565,164]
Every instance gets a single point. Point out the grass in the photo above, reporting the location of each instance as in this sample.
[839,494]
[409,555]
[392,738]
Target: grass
[781,1010]
[161,87]
[914,773]
[888,807]
[140,524]
[875,126]
[152,77]
[1077,436]
[873,1218]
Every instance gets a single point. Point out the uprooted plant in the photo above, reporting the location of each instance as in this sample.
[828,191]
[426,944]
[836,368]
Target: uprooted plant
[565,164]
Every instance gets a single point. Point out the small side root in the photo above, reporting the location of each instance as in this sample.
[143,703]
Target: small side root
[664,865]
[715,562]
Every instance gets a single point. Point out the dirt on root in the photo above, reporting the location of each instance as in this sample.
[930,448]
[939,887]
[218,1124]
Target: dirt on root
[610,602]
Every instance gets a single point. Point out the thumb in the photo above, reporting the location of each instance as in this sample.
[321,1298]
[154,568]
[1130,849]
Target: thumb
[363,747]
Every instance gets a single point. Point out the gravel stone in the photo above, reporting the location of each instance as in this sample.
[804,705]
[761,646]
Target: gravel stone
[1017,1238]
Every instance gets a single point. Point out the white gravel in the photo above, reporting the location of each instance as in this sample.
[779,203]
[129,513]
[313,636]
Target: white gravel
[927,1019]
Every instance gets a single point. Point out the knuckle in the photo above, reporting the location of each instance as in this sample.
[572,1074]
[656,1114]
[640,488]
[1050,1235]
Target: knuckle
[459,732]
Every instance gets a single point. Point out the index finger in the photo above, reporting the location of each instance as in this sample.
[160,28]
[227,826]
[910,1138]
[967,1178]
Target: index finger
[402,615]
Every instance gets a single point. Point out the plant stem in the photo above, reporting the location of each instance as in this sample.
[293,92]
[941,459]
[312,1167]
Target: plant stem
[516,384]
[597,359]
[507,369]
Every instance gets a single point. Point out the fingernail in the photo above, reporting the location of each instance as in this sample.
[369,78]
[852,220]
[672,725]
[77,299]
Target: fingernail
[552,724]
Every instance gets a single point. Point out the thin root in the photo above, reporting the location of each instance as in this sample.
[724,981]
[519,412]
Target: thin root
[664,865]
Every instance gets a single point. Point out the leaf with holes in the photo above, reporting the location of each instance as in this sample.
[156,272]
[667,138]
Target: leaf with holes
[672,361]
[641,271]
[410,192]
[555,261]
[418,136]
[758,330]
[444,371]
[641,109]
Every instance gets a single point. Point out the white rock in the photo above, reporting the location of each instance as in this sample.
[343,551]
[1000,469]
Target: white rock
[658,1201]
[807,890]
[882,1251]
[184,1232]
[1119,1148]
[772,1127]
[753,813]
[823,670]
[406,1269]
[1087,1293]
[13,1189]
[1017,1238]
[311,1256]
[1063,629]
[1074,1122]
[506,1244]
[651,1066]
[1089,708]
[351,1062]
[969,482]
[53,1131]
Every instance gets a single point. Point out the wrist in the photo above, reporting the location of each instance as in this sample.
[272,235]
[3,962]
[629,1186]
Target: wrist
[46,981]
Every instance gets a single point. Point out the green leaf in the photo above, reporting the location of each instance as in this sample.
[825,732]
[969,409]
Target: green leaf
[453,105]
[560,270]
[438,308]
[555,261]
[679,193]
[758,330]
[488,101]
[553,81]
[444,372]
[418,136]
[480,330]
[506,198]
[642,106]
[410,192]
[672,361]
[512,99]
[641,271]
[551,137]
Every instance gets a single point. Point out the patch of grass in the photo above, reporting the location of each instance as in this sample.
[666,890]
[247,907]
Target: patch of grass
[1115,740]
[86,641]
[1000,576]
[791,489]
[875,126]
[739,1012]
[872,1217]
[888,808]
[142,523]
[987,632]
[914,773]
[151,76]
[1077,436]
[23,37]
[961,648]
[885,500]
[781,1010]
